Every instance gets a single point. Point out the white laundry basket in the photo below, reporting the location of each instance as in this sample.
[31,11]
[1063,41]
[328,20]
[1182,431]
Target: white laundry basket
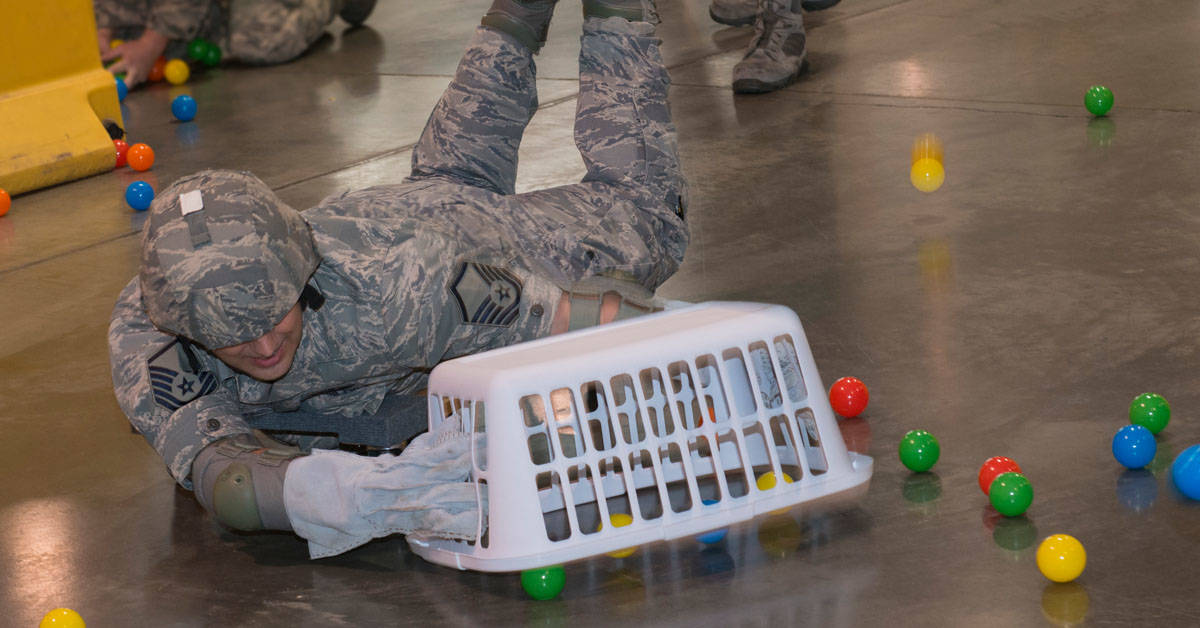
[669,417]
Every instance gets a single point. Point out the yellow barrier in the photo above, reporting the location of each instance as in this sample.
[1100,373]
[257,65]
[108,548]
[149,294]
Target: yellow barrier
[54,95]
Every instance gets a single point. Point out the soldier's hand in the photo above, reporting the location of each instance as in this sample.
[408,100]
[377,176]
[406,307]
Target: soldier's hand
[104,38]
[338,500]
[137,57]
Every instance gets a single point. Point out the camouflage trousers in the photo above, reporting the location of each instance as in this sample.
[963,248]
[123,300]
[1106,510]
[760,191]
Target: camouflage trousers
[626,218]
[250,31]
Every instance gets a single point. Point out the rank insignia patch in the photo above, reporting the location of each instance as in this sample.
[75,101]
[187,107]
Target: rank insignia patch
[486,295]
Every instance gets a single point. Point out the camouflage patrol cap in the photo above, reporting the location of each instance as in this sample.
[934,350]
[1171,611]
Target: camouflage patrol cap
[223,258]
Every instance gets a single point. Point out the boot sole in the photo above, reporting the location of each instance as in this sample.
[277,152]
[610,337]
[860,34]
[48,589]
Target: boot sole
[818,5]
[755,86]
[744,21]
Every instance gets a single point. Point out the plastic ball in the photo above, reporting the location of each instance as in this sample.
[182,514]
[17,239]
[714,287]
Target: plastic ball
[122,150]
[122,90]
[715,536]
[139,195]
[927,175]
[61,618]
[140,157]
[184,107]
[197,48]
[5,202]
[1011,494]
[157,70]
[212,56]
[993,467]
[766,481]
[1185,472]
[176,72]
[1150,410]
[545,583]
[1098,100]
[1061,557]
[919,450]
[1134,446]
[619,520]
[848,396]
[116,43]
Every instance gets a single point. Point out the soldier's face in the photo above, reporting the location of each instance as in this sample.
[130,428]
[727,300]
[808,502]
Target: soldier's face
[270,356]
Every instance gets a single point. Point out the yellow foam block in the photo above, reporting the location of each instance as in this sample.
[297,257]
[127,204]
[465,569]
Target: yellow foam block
[54,99]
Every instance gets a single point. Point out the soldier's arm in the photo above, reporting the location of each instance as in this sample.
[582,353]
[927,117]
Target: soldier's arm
[177,405]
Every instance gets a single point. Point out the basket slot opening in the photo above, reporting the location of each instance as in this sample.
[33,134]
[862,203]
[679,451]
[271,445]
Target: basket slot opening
[732,463]
[789,365]
[533,409]
[785,445]
[738,382]
[628,416]
[675,474]
[645,477]
[814,453]
[566,423]
[764,373]
[708,480]
[688,410]
[549,486]
[711,390]
[658,415]
[583,493]
[759,454]
[479,438]
[596,415]
[483,513]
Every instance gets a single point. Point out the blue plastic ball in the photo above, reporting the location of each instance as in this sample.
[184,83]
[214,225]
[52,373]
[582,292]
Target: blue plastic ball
[184,107]
[715,536]
[122,90]
[139,195]
[1134,446]
[1185,472]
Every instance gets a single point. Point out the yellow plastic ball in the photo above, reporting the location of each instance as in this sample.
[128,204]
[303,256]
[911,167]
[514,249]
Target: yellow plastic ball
[619,520]
[176,72]
[766,481]
[62,618]
[927,174]
[116,42]
[1061,557]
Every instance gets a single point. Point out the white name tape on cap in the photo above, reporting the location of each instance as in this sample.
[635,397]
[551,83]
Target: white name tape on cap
[190,202]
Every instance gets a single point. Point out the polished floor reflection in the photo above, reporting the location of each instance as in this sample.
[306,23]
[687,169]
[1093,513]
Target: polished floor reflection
[1015,311]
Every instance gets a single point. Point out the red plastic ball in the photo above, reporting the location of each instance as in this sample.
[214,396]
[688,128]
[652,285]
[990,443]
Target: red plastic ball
[140,157]
[158,72]
[122,151]
[848,396]
[993,467]
[5,202]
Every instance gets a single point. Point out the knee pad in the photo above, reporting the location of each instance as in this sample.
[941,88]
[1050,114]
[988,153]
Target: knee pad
[240,481]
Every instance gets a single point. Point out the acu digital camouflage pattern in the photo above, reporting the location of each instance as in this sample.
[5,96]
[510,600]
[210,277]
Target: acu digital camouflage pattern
[406,269]
[251,31]
[228,272]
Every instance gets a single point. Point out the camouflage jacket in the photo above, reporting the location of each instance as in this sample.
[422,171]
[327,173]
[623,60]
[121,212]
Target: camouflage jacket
[407,282]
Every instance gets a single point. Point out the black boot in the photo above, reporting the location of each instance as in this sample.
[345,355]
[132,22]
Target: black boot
[632,10]
[527,20]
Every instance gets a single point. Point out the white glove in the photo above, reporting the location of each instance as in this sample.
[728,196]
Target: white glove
[338,500]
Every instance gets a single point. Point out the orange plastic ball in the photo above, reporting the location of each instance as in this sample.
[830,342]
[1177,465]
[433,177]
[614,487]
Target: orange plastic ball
[5,202]
[140,157]
[157,73]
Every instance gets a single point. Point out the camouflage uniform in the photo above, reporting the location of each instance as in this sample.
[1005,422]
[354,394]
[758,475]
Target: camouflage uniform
[447,263]
[251,31]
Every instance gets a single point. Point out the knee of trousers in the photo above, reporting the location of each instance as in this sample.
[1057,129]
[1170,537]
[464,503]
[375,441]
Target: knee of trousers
[239,480]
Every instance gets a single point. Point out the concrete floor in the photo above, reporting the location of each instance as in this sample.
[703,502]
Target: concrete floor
[1016,311]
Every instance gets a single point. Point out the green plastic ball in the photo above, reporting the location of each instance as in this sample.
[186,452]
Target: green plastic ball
[212,56]
[545,583]
[1151,411]
[919,450]
[1098,100]
[197,48]
[1011,494]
